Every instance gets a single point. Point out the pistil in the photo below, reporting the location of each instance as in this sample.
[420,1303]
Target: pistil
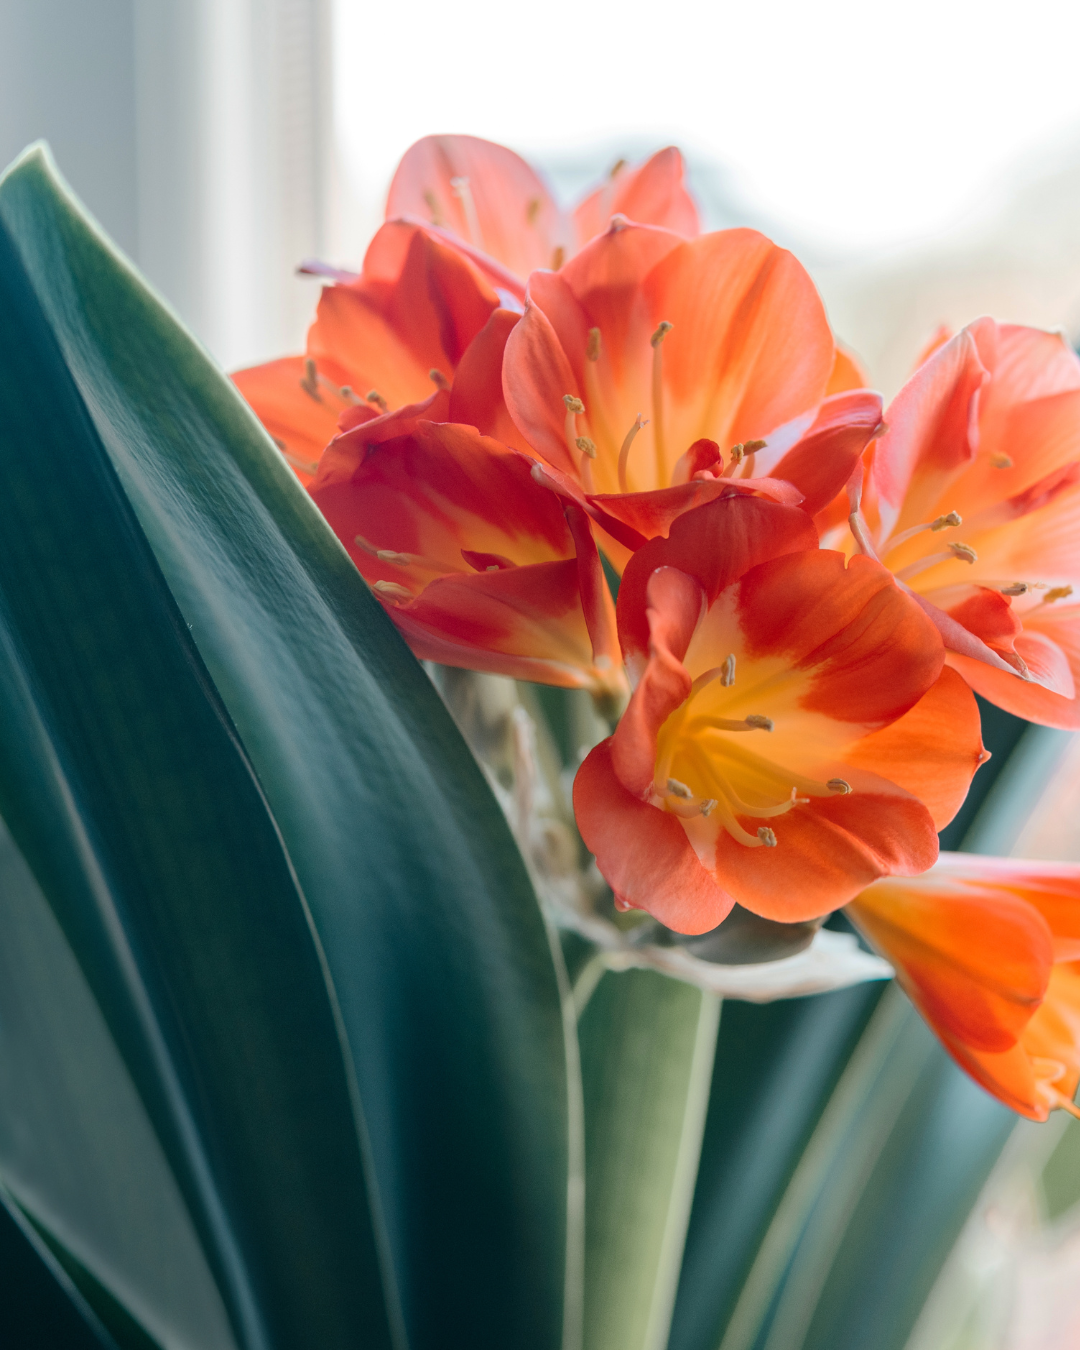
[657,339]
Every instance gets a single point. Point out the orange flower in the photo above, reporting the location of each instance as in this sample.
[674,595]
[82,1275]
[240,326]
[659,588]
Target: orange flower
[646,354]
[477,564]
[988,949]
[792,733]
[389,339]
[489,199]
[972,498]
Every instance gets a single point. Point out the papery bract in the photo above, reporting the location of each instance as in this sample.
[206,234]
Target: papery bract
[989,951]
[972,498]
[792,733]
[477,564]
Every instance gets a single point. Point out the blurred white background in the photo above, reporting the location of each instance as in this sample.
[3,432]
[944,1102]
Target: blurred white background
[923,158]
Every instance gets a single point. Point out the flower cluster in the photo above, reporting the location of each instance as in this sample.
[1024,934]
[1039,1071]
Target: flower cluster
[508,400]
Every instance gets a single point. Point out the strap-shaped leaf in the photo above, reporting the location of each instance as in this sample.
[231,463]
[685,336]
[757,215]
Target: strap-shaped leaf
[441,964]
[134,804]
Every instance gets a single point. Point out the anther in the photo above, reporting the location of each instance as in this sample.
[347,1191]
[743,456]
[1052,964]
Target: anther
[437,217]
[945,522]
[592,347]
[767,837]
[1016,588]
[839,785]
[389,555]
[309,382]
[617,168]
[392,589]
[708,806]
[663,329]
[1001,462]
[736,452]
[373,396]
[438,379]
[586,446]
[752,447]
[727,672]
[573,405]
[759,723]
[558,257]
[964,552]
[678,789]
[1057,593]
[532,210]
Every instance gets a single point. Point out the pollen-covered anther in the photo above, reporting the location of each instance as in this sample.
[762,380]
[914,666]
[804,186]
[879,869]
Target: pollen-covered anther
[767,836]
[840,786]
[573,403]
[438,379]
[662,330]
[678,789]
[1001,462]
[947,521]
[558,257]
[752,447]
[592,347]
[708,806]
[737,452]
[392,589]
[309,381]
[727,672]
[373,396]
[586,446]
[964,552]
[1057,593]
[532,211]
[757,722]
[1016,588]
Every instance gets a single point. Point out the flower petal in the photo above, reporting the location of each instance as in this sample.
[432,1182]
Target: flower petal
[485,194]
[654,193]
[820,463]
[644,852]
[476,397]
[300,422]
[975,959]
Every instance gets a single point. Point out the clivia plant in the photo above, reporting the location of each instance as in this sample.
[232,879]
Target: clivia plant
[467,786]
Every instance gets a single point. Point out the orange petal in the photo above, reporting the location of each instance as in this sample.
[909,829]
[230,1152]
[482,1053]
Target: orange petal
[644,852]
[485,194]
[437,491]
[651,514]
[674,607]
[848,372]
[822,459]
[654,193]
[715,544]
[827,851]
[476,397]
[300,423]
[345,454]
[750,347]
[536,379]
[975,958]
[521,621]
[1050,647]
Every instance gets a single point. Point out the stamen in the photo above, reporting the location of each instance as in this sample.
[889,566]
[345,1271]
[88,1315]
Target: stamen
[767,837]
[657,340]
[592,347]
[678,789]
[1057,593]
[392,589]
[1001,462]
[574,406]
[347,394]
[750,449]
[617,168]
[941,523]
[755,722]
[736,452]
[437,217]
[373,396]
[708,806]
[397,559]
[856,523]
[532,210]
[839,785]
[727,672]
[309,381]
[438,379]
[1016,588]
[586,446]
[304,465]
[961,552]
[558,257]
[461,189]
[624,452]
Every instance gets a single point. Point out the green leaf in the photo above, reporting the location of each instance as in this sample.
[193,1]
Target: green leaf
[135,807]
[447,999]
[647,1048]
